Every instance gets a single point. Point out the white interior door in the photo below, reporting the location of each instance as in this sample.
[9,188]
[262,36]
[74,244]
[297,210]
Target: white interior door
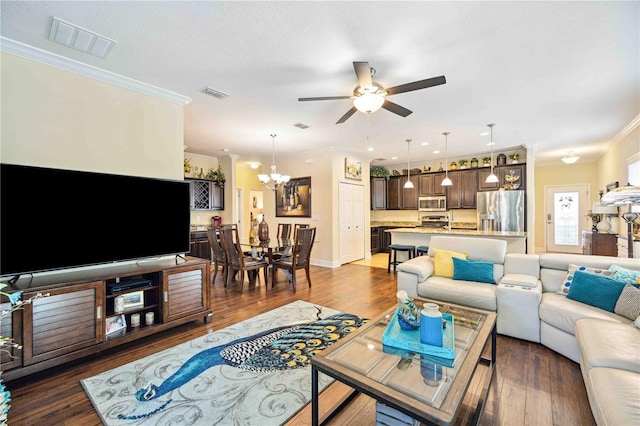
[566,217]
[351,222]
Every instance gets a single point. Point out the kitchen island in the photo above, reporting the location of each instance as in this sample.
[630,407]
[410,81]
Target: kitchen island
[516,241]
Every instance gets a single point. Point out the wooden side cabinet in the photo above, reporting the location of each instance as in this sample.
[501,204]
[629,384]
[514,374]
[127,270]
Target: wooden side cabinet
[375,239]
[70,323]
[599,244]
[206,195]
[199,245]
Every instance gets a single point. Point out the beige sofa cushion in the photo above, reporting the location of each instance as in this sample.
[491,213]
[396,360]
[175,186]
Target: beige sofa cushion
[614,396]
[562,313]
[608,344]
[468,293]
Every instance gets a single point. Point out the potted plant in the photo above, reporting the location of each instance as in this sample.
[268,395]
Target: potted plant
[486,161]
[463,164]
[514,157]
[379,171]
[217,176]
[187,166]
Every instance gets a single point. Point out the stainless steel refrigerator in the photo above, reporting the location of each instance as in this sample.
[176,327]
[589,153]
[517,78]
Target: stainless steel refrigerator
[501,210]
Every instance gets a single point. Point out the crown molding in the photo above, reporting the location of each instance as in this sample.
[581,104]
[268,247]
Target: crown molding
[626,130]
[33,53]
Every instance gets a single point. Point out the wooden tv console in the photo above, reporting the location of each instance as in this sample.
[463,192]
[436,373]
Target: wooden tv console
[70,323]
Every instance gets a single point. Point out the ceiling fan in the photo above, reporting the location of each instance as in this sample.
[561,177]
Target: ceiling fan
[369,96]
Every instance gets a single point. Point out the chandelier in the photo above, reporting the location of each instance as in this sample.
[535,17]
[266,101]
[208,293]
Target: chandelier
[277,178]
[492,178]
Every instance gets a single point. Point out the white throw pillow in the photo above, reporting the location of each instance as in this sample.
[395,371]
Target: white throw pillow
[566,284]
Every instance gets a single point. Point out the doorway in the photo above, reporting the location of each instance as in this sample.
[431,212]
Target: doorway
[566,217]
[351,222]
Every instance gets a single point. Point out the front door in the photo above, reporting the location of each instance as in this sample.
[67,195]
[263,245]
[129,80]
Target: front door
[566,217]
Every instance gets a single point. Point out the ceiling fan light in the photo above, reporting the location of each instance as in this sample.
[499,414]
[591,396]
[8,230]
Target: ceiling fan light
[492,178]
[446,181]
[368,103]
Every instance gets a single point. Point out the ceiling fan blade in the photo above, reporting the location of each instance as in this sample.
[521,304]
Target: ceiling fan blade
[396,109]
[417,85]
[363,72]
[347,115]
[324,98]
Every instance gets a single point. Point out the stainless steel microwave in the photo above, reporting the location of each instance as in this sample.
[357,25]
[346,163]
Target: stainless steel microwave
[432,204]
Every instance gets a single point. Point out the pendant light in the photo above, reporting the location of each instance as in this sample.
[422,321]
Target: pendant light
[277,178]
[446,181]
[408,184]
[492,178]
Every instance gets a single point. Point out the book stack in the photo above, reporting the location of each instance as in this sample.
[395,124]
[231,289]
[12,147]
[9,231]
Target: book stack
[387,416]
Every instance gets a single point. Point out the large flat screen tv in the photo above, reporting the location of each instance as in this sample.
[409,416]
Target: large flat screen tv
[55,219]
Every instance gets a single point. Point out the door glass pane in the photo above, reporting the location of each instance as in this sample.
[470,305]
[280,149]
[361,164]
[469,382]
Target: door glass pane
[567,218]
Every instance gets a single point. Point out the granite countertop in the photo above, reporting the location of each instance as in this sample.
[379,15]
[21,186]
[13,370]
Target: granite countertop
[405,223]
[469,232]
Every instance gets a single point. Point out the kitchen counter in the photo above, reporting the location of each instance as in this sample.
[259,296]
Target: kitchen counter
[516,241]
[400,224]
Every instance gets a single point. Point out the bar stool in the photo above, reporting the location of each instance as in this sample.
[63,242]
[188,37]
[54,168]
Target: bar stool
[422,250]
[393,251]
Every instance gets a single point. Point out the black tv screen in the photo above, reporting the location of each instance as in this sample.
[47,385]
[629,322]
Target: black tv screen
[54,219]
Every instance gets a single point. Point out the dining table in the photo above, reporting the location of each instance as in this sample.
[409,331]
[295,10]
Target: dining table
[268,249]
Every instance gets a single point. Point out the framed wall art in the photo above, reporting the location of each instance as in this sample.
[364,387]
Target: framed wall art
[293,199]
[352,169]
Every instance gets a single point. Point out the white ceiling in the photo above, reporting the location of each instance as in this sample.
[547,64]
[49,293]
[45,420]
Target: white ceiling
[555,75]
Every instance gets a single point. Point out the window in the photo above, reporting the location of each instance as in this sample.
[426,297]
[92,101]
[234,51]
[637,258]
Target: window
[633,174]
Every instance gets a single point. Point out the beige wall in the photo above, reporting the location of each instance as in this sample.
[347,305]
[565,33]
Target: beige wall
[50,118]
[611,167]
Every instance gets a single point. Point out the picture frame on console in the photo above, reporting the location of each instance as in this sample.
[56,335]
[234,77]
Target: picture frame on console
[293,199]
[115,324]
[133,300]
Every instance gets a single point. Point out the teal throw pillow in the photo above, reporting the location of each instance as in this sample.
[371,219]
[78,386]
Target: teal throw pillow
[566,284]
[595,290]
[472,270]
[627,276]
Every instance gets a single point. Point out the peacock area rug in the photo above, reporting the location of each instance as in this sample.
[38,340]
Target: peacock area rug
[255,372]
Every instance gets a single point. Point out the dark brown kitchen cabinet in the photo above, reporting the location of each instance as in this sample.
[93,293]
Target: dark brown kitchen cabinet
[375,239]
[199,246]
[394,193]
[206,195]
[430,184]
[378,193]
[462,193]
[517,170]
[410,195]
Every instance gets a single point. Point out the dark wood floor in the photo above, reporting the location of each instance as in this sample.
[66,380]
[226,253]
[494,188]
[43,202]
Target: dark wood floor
[532,385]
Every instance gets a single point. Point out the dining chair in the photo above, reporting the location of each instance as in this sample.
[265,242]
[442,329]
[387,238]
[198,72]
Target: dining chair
[217,253]
[298,226]
[300,257]
[237,261]
[284,230]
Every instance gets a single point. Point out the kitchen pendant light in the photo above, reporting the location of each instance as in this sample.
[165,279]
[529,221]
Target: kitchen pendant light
[278,179]
[408,184]
[446,181]
[492,178]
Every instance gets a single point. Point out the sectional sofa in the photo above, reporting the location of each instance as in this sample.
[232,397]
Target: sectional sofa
[530,294]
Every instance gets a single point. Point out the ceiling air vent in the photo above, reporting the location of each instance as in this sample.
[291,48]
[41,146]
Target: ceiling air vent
[301,126]
[81,39]
[215,93]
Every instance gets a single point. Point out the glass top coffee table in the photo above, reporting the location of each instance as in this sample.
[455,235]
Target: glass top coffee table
[428,389]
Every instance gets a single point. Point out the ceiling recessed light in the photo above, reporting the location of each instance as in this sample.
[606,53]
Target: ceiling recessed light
[490,143]
[436,152]
[424,143]
[370,149]
[484,134]
[225,149]
[254,165]
[394,158]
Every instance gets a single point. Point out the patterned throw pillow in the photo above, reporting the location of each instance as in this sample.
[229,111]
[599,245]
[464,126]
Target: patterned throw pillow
[628,304]
[627,276]
[442,263]
[566,284]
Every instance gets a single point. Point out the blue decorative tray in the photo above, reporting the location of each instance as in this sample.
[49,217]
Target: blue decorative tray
[410,339]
